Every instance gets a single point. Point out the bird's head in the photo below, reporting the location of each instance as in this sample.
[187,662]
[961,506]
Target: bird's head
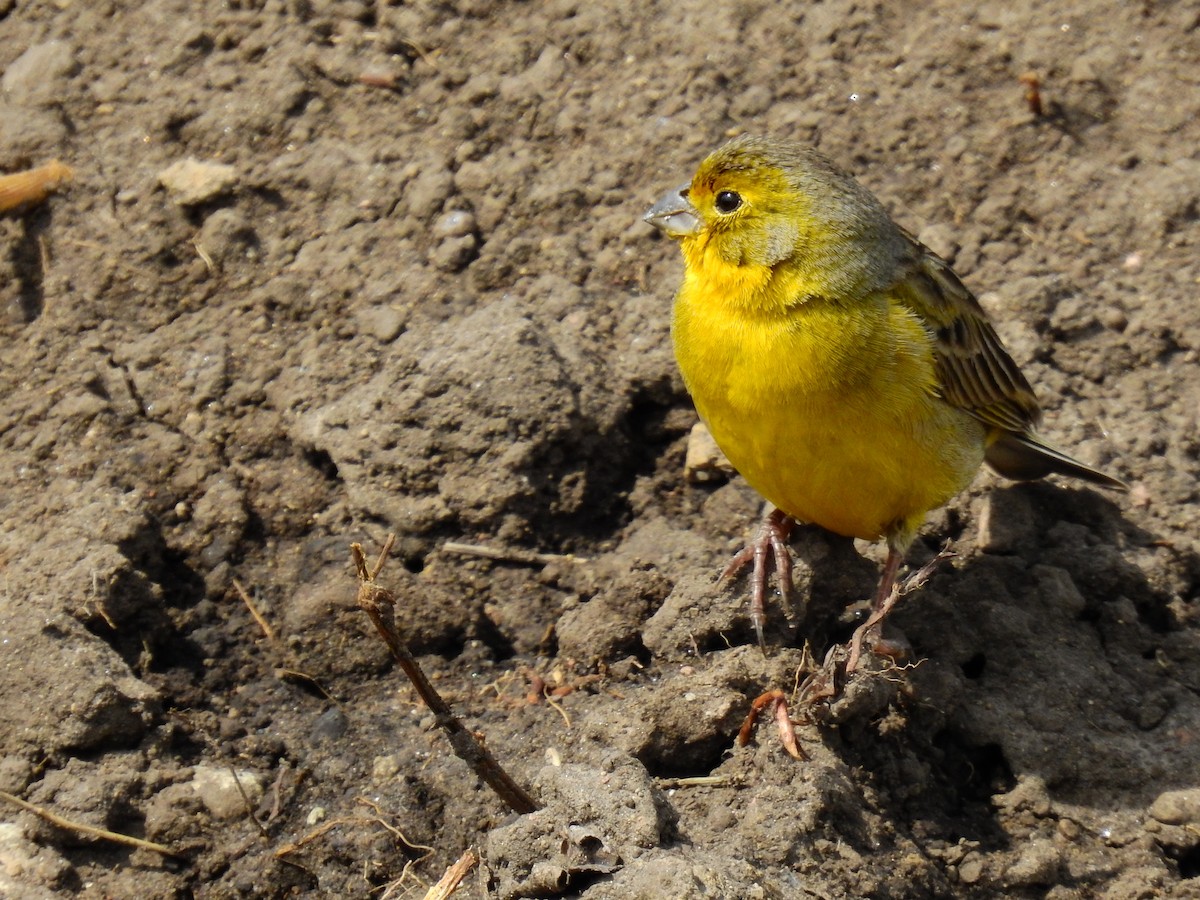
[763,202]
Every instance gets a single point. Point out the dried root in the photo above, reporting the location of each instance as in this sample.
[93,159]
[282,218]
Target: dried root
[33,186]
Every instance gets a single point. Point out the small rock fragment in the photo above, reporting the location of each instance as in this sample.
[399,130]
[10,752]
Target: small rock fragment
[226,236]
[1037,864]
[1177,807]
[218,790]
[970,870]
[704,461]
[1006,521]
[35,77]
[384,323]
[455,223]
[458,241]
[192,181]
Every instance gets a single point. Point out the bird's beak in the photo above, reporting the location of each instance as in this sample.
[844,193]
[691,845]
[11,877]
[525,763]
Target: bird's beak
[675,215]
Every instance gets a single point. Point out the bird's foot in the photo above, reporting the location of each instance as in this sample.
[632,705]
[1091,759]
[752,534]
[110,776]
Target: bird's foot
[868,634]
[777,700]
[770,542]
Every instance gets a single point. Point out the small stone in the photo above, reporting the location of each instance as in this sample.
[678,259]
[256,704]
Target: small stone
[1006,521]
[330,726]
[35,76]
[227,236]
[1113,319]
[1038,863]
[218,790]
[1069,829]
[704,461]
[384,323]
[455,223]
[455,253]
[1177,807]
[385,768]
[191,181]
[970,870]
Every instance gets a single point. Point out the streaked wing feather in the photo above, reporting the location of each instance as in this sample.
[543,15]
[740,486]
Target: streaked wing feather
[974,370]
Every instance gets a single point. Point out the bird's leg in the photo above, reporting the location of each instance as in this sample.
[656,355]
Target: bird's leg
[771,540]
[885,598]
[888,594]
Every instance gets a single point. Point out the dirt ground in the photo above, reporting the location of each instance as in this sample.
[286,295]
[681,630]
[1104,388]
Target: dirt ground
[332,268]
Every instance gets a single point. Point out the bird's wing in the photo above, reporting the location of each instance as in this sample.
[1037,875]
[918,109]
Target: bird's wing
[974,370]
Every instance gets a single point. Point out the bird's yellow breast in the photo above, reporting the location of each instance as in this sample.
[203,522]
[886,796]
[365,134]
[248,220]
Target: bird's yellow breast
[829,410]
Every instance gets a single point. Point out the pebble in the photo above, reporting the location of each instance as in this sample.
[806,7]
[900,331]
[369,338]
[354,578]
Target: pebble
[33,77]
[330,726]
[217,789]
[385,768]
[1005,522]
[1069,829]
[1177,807]
[227,236]
[1038,863]
[191,181]
[1113,319]
[456,223]
[455,253]
[384,323]
[704,460]
[970,870]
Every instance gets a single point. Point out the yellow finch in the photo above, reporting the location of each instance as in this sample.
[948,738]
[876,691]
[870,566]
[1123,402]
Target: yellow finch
[842,367]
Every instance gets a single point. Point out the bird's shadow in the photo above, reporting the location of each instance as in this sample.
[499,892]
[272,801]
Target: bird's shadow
[1063,653]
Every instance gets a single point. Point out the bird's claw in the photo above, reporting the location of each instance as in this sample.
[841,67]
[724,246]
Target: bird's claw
[771,541]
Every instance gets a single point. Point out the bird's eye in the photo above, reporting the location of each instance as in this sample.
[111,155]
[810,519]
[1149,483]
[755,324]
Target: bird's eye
[728,201]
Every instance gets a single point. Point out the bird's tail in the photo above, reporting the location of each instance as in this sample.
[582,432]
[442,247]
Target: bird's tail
[1025,457]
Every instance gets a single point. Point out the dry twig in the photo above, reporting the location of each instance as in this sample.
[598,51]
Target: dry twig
[455,874]
[89,830]
[379,604]
[254,611]
[508,554]
[21,189]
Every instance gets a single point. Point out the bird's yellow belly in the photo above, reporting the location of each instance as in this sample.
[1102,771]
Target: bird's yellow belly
[845,469]
[852,438]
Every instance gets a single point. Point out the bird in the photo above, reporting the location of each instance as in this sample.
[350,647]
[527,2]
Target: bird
[843,368]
